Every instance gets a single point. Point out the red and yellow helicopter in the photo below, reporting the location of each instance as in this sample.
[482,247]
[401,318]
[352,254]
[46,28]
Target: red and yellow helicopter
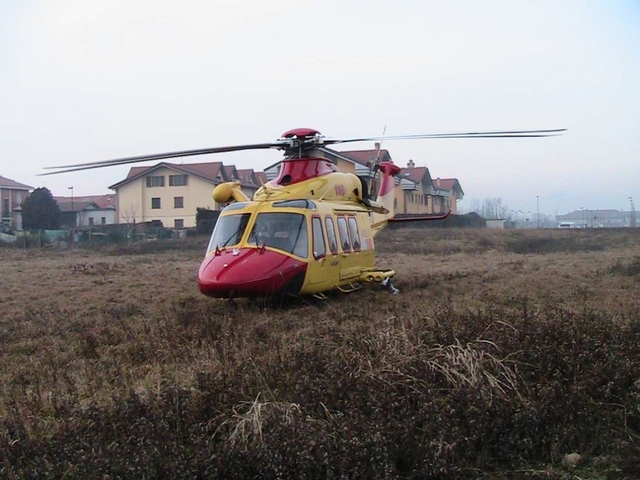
[306,232]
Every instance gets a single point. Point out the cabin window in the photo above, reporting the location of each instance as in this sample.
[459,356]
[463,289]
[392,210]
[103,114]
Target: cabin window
[331,235]
[155,203]
[229,230]
[177,180]
[90,220]
[344,234]
[235,206]
[295,204]
[103,220]
[319,247]
[355,235]
[155,181]
[284,231]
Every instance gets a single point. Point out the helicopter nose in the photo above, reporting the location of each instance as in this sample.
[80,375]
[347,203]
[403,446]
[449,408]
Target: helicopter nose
[249,272]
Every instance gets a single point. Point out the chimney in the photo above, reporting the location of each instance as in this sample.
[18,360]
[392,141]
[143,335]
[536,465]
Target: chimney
[411,164]
[438,182]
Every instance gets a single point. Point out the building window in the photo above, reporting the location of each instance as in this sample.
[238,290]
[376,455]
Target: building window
[103,220]
[177,180]
[178,202]
[155,203]
[155,181]
[5,207]
[91,221]
[178,223]
[19,199]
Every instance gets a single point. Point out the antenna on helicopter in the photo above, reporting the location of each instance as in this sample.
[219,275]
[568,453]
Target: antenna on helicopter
[375,166]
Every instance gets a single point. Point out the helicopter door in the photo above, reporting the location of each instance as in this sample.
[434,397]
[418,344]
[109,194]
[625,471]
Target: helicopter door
[322,267]
[350,266]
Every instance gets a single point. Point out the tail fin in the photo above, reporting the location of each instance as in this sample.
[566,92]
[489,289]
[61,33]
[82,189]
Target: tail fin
[386,197]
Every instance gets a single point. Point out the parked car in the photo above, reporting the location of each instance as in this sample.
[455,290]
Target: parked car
[567,225]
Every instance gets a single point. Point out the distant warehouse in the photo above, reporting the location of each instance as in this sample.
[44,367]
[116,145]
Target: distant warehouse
[597,218]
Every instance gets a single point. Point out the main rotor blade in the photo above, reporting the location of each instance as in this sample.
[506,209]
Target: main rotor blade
[159,156]
[488,134]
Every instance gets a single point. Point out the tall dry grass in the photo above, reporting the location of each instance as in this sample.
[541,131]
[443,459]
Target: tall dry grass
[504,352]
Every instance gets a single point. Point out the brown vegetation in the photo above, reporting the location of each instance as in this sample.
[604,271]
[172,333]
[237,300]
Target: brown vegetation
[505,352]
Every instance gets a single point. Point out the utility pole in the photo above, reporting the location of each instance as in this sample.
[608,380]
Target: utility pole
[538,211]
[73,216]
[73,213]
[632,219]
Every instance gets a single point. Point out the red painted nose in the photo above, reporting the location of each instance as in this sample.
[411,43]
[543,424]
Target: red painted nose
[250,272]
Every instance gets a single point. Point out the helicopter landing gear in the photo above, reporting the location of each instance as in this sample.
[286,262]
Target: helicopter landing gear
[389,286]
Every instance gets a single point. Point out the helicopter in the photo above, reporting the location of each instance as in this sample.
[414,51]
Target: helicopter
[308,231]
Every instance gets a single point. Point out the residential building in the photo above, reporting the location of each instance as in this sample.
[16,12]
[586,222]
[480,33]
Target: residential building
[86,211]
[415,193]
[447,193]
[12,194]
[172,193]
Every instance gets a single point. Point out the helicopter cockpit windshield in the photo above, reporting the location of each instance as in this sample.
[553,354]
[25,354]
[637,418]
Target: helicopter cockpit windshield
[228,232]
[284,231]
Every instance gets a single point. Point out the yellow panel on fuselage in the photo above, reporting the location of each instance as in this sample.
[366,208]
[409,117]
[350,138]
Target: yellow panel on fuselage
[340,266]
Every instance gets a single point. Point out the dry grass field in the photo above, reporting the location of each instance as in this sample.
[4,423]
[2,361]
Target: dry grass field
[504,352]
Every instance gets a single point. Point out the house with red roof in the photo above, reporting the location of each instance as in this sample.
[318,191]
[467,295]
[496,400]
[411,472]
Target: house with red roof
[172,193]
[425,195]
[416,192]
[12,194]
[87,210]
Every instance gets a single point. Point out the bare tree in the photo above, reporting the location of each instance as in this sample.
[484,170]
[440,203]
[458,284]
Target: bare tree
[490,208]
[130,214]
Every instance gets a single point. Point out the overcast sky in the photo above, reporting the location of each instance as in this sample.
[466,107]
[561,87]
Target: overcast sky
[88,80]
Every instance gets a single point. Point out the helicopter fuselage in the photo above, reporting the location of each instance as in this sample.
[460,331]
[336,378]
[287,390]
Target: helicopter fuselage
[263,248]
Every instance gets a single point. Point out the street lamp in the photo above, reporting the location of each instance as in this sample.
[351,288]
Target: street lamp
[73,213]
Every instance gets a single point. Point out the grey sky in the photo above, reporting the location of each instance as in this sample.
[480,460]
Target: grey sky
[84,81]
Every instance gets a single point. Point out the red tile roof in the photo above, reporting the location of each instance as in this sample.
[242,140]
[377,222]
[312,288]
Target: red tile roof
[415,174]
[247,176]
[451,184]
[8,183]
[363,157]
[445,183]
[75,206]
[211,171]
[230,172]
[102,201]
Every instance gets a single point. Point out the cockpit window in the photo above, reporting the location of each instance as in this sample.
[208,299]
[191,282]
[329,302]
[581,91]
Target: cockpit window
[284,231]
[229,230]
